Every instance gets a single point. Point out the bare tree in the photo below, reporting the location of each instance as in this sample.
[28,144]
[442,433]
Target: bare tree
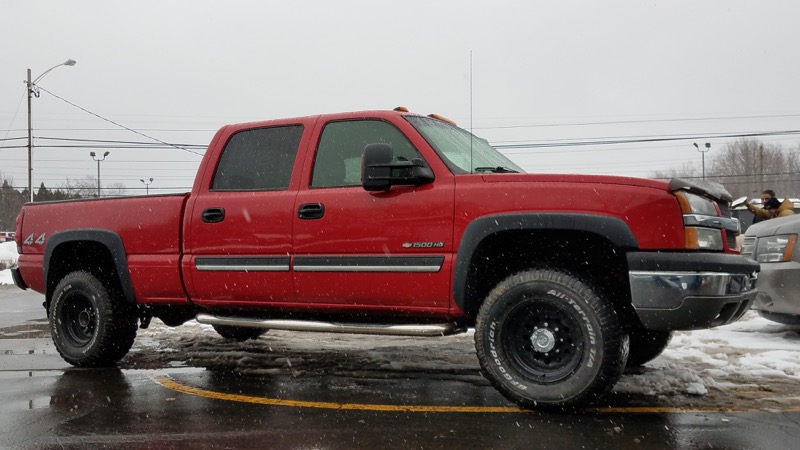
[747,167]
[87,187]
[687,170]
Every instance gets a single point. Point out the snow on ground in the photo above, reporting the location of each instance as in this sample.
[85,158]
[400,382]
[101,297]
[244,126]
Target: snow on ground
[8,257]
[753,362]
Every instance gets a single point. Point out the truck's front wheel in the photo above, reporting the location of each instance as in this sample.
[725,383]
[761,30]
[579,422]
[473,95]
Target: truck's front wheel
[89,327]
[545,339]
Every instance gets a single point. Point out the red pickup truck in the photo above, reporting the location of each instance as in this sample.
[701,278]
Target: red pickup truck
[388,222]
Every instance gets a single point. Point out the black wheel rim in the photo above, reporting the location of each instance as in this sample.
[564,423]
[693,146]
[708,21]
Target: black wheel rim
[543,339]
[78,319]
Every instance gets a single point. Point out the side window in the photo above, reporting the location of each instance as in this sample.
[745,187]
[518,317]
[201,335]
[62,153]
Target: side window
[259,159]
[338,159]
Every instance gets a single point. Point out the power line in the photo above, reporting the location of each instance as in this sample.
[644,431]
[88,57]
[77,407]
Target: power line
[614,122]
[557,143]
[117,124]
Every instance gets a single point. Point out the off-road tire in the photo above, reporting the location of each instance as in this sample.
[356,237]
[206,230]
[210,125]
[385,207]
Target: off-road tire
[646,345]
[91,327]
[239,334]
[547,340]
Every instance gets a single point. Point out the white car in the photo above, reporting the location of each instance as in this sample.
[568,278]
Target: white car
[773,243]
[6,236]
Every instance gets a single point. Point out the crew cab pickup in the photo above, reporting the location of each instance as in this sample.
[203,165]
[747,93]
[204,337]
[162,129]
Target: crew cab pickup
[389,222]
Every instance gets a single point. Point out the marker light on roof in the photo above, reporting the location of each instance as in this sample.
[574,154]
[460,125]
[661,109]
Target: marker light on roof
[442,118]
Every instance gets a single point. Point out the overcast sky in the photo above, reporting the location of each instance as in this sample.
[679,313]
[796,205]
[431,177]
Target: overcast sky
[527,72]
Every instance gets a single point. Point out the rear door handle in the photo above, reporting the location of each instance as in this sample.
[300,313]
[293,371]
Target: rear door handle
[213,215]
[311,211]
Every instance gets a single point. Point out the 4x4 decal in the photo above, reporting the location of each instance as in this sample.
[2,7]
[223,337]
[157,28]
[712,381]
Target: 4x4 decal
[29,240]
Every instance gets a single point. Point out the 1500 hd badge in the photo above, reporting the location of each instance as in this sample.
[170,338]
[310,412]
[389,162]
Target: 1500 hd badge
[423,244]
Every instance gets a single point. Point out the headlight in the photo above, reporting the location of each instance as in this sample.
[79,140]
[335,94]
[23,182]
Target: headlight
[778,248]
[695,204]
[702,222]
[703,238]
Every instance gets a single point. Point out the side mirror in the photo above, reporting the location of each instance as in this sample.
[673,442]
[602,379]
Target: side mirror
[379,171]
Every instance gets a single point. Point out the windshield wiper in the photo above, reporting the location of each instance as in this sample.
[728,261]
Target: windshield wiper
[498,169]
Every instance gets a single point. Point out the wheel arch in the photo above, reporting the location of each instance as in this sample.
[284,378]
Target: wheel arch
[67,251]
[525,240]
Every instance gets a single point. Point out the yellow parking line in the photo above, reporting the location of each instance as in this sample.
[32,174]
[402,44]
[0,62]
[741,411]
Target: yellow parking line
[171,384]
[175,386]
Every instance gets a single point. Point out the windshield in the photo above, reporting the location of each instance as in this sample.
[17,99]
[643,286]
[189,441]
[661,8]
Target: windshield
[462,151]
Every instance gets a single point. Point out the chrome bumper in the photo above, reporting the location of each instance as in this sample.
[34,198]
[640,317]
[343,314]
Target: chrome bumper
[677,300]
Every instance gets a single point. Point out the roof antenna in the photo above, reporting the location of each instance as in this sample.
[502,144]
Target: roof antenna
[471,136]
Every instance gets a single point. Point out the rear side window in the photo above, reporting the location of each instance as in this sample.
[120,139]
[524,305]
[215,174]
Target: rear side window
[259,159]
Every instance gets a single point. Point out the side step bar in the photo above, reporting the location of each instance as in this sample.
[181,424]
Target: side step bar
[442,329]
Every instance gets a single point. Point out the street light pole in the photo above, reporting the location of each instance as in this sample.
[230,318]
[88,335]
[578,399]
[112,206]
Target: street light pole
[703,152]
[147,185]
[32,90]
[94,157]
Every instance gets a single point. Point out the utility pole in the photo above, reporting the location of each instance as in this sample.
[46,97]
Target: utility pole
[34,90]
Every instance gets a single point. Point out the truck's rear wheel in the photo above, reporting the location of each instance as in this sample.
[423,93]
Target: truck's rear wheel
[646,345]
[545,339]
[240,334]
[90,328]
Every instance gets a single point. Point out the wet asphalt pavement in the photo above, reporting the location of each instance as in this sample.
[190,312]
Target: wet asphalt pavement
[48,404]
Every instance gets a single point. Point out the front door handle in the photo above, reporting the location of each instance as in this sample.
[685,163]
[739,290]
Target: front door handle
[213,215]
[311,211]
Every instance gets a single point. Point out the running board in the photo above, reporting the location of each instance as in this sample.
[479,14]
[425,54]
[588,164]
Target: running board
[436,329]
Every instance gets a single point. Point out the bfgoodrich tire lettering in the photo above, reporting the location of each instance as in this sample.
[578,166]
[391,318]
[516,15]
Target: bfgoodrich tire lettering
[545,339]
[90,328]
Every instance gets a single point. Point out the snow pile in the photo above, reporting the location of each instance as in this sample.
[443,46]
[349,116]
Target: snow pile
[8,258]
[752,364]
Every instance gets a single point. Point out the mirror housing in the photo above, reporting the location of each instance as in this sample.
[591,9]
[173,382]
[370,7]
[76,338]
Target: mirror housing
[379,171]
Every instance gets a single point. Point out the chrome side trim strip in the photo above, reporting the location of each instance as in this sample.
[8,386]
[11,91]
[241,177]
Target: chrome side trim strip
[224,268]
[416,269]
[242,264]
[414,264]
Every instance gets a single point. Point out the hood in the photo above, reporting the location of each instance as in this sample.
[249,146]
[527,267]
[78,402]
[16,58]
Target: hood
[572,178]
[778,225]
[706,188]
[715,190]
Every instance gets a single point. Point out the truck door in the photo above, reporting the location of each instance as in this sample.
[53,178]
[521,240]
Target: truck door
[238,244]
[356,249]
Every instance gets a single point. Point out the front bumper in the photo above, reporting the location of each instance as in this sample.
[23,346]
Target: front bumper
[779,288]
[685,291]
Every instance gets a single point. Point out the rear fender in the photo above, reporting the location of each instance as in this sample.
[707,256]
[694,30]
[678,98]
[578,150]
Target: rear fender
[108,239]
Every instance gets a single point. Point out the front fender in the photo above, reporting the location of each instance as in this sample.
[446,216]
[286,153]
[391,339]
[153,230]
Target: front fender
[613,229]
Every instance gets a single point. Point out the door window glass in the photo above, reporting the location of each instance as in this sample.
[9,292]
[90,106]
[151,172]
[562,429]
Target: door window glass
[258,159]
[338,159]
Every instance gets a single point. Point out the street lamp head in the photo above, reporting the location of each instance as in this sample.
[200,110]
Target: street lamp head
[695,146]
[70,62]
[141,179]
[708,145]
[105,154]
[92,154]
[151,179]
